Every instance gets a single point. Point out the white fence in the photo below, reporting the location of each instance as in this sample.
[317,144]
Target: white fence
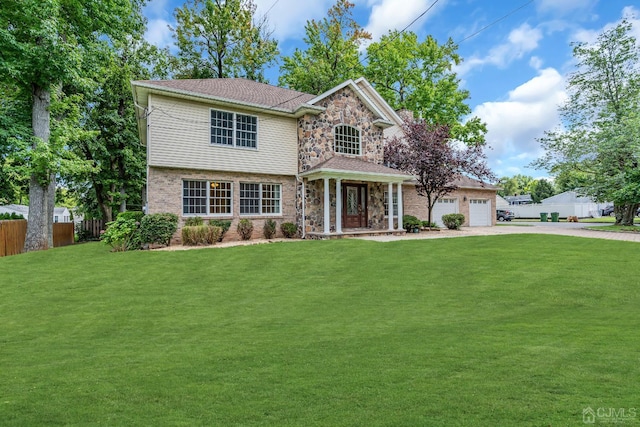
[581,210]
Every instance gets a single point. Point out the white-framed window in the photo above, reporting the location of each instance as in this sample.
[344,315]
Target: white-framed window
[386,203]
[446,201]
[207,197]
[234,129]
[260,199]
[347,140]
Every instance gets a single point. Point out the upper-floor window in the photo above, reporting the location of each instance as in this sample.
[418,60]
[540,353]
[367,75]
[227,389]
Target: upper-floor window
[347,140]
[234,129]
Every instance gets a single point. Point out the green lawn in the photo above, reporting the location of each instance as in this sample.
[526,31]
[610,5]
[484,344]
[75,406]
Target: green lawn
[476,331]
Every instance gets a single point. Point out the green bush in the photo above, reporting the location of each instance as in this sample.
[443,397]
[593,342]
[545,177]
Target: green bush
[409,222]
[427,224]
[123,234]
[453,221]
[158,228]
[269,229]
[10,216]
[135,215]
[289,229]
[193,221]
[245,229]
[224,224]
[194,235]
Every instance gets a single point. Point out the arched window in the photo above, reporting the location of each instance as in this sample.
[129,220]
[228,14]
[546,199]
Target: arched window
[347,140]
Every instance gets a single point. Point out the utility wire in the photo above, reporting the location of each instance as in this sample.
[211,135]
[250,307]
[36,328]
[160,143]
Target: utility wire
[496,21]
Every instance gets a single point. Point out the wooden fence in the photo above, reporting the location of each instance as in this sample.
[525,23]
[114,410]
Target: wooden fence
[13,233]
[90,229]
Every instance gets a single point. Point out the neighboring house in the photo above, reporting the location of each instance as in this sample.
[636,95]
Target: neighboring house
[522,199]
[59,214]
[235,148]
[501,203]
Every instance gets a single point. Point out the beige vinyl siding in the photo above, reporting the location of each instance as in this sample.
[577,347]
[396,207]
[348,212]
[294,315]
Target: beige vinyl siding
[180,137]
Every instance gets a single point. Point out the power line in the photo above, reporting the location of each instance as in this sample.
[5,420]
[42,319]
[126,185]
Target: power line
[496,21]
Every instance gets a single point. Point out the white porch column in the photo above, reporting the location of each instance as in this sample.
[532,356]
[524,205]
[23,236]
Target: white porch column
[390,205]
[327,212]
[400,210]
[338,205]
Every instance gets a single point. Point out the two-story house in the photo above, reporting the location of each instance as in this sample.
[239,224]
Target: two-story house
[235,148]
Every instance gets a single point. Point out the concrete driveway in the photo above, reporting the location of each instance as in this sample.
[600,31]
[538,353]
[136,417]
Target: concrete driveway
[576,229]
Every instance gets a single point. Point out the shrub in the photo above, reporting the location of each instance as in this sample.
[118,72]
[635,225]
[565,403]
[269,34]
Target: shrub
[193,221]
[427,224]
[158,228]
[224,224]
[453,221]
[409,222]
[245,229]
[123,234]
[10,216]
[135,215]
[269,229]
[194,235]
[289,229]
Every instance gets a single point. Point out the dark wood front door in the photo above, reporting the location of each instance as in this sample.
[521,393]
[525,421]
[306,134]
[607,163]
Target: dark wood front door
[354,205]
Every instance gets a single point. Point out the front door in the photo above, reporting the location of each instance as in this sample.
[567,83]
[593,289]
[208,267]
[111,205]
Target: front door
[354,200]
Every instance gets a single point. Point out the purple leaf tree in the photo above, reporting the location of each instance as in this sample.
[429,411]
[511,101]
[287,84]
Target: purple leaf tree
[428,153]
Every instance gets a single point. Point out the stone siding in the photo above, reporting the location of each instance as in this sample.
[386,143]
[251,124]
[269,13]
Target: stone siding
[315,132]
[417,205]
[165,195]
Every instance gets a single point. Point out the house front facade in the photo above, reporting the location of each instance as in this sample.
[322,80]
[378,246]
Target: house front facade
[234,148]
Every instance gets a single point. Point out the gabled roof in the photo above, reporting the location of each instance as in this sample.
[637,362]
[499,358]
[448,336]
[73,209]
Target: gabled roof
[354,168]
[470,183]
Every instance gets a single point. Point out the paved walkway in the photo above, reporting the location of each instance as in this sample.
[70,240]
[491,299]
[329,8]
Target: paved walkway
[564,229]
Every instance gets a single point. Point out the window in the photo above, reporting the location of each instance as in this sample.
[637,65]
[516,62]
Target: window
[206,198]
[233,129]
[347,140]
[386,203]
[260,199]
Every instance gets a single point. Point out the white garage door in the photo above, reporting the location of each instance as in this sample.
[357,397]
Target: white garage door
[443,207]
[479,212]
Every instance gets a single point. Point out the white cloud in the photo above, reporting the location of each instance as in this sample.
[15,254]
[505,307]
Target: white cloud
[288,17]
[158,33]
[536,62]
[513,125]
[630,13]
[521,41]
[397,14]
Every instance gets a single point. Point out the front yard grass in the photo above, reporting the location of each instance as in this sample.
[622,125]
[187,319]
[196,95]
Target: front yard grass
[499,330]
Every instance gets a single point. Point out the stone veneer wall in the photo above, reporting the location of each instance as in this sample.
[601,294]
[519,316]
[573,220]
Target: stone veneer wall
[165,195]
[417,205]
[314,209]
[315,132]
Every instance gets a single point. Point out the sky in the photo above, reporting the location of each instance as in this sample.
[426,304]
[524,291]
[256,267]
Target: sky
[515,70]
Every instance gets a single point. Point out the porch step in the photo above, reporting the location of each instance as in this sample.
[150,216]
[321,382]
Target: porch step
[354,233]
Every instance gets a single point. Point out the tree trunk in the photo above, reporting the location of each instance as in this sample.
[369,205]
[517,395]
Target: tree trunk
[40,222]
[628,214]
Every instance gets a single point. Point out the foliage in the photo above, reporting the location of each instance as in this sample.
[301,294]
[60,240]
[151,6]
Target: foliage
[10,216]
[332,54]
[220,39]
[269,229]
[601,135]
[289,229]
[134,215]
[427,224]
[516,185]
[123,234]
[409,222]
[194,235]
[245,228]
[417,76]
[193,221]
[453,221]
[158,228]
[427,152]
[442,309]
[541,190]
[224,225]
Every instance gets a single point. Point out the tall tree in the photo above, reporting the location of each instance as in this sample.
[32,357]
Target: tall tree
[541,189]
[42,46]
[516,185]
[220,38]
[601,138]
[332,54]
[418,76]
[427,152]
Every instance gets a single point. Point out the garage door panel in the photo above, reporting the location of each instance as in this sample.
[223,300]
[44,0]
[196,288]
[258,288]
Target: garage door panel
[443,207]
[479,212]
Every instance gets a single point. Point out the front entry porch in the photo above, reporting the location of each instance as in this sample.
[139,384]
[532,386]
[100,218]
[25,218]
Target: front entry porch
[354,232]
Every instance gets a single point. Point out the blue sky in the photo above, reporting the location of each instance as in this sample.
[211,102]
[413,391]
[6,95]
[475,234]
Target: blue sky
[514,70]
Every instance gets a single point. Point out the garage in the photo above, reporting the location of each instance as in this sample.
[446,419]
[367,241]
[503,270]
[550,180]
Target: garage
[479,212]
[442,207]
